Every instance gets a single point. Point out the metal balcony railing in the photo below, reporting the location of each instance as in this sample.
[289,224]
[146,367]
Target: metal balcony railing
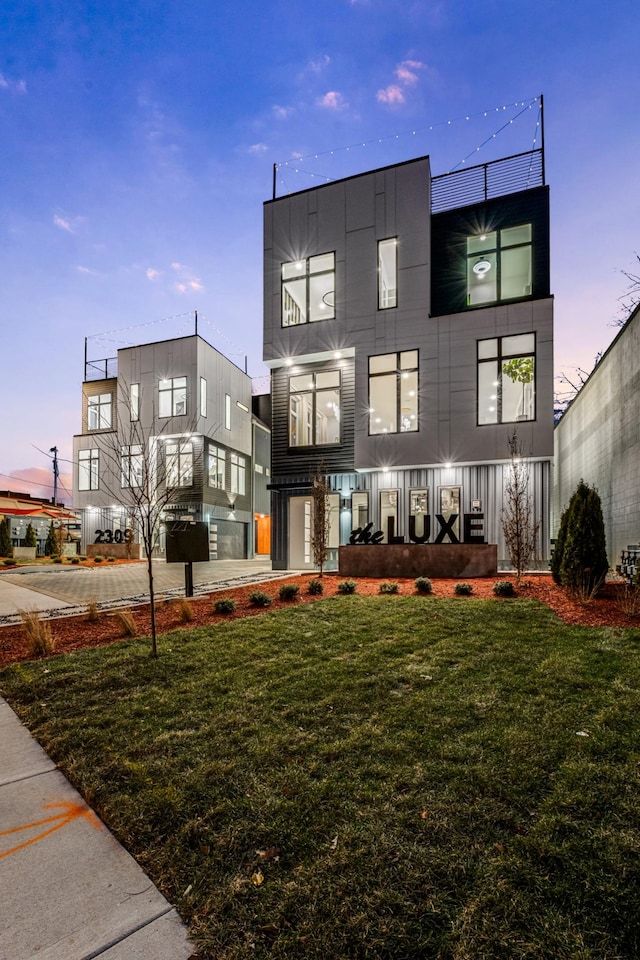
[523,171]
[101,369]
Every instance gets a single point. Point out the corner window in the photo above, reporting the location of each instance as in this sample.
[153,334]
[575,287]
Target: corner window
[99,412]
[506,379]
[179,460]
[387,274]
[203,397]
[238,474]
[308,290]
[132,469]
[217,467]
[88,469]
[314,409]
[134,402]
[172,397]
[499,265]
[393,392]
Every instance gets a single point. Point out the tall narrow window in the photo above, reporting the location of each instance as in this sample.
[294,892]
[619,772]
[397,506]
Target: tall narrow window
[499,265]
[238,474]
[227,412]
[387,274]
[203,397]
[388,512]
[507,379]
[88,469]
[132,465]
[134,402]
[217,467]
[359,510]
[99,412]
[314,409]
[393,392]
[172,397]
[179,463]
[308,290]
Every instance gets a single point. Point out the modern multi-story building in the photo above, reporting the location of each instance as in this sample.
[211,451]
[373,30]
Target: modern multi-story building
[182,411]
[408,325]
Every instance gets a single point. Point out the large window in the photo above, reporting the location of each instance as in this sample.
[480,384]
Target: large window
[132,465]
[99,412]
[506,379]
[393,392]
[217,467]
[308,290]
[172,397]
[238,474]
[88,469]
[179,454]
[387,274]
[499,265]
[314,409]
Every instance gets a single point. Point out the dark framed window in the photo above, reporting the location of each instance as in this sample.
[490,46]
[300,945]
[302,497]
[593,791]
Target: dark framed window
[179,463]
[238,474]
[499,265]
[88,469]
[217,467]
[507,379]
[308,290]
[172,397]
[132,465]
[393,392]
[387,273]
[99,412]
[314,409]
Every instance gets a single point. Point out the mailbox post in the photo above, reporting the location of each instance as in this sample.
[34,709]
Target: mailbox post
[188,543]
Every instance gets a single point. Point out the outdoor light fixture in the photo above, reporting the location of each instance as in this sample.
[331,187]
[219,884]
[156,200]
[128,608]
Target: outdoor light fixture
[482,267]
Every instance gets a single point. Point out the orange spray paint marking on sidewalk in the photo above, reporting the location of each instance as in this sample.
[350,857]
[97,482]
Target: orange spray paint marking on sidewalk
[72,811]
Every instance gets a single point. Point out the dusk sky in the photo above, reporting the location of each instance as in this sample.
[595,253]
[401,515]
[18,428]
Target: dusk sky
[138,141]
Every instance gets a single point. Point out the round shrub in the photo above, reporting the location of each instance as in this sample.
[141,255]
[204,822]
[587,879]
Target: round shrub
[289,591]
[8,562]
[57,559]
[463,589]
[111,559]
[259,599]
[503,588]
[315,587]
[423,585]
[347,586]
[389,586]
[98,559]
[75,560]
[224,605]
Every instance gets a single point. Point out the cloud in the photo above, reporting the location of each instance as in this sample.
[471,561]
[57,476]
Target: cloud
[332,101]
[282,113]
[62,223]
[82,269]
[38,481]
[258,148]
[187,281]
[405,72]
[391,94]
[152,274]
[317,66]
[14,86]
[177,266]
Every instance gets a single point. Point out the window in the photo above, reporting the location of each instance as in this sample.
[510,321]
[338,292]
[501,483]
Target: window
[99,412]
[388,513]
[203,397]
[499,265]
[227,412]
[172,396]
[359,510]
[179,454]
[243,406]
[450,498]
[506,379]
[238,474]
[88,469]
[314,409]
[308,290]
[393,392]
[217,467]
[132,468]
[387,274]
[134,402]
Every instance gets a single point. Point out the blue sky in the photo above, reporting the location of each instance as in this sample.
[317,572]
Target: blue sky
[138,143]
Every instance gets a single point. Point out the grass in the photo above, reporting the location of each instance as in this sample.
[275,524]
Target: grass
[362,779]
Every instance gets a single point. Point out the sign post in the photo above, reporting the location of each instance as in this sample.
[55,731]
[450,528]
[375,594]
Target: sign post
[188,543]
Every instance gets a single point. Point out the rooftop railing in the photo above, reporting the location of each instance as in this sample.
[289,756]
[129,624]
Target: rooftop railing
[523,171]
[101,369]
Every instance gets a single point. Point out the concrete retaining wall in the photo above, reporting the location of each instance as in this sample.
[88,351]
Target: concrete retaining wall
[121,551]
[451,560]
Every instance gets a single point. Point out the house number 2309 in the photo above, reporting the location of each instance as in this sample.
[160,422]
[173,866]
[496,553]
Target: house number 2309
[108,536]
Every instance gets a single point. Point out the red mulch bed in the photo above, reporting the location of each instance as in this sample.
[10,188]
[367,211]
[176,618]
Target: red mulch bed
[75,633]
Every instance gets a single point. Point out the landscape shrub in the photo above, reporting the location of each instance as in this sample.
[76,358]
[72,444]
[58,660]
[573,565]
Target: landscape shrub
[51,543]
[259,599]
[347,586]
[389,586]
[503,588]
[57,559]
[423,585]
[463,589]
[584,564]
[98,559]
[38,634]
[75,560]
[93,611]
[126,622]
[8,562]
[6,549]
[289,591]
[111,559]
[185,610]
[30,537]
[315,587]
[224,605]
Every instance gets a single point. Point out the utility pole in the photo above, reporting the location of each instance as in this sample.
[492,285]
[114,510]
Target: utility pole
[56,473]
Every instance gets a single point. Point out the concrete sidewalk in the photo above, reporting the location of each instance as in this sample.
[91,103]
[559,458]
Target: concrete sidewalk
[68,890]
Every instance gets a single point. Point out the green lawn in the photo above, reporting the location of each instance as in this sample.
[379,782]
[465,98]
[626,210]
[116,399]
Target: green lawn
[383,777]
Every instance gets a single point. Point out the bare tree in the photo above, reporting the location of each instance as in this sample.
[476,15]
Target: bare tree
[630,299]
[518,524]
[321,519]
[569,384]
